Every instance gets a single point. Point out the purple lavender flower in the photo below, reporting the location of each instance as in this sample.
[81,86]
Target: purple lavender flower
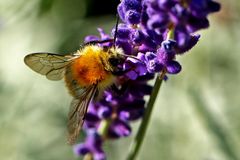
[134,68]
[93,145]
[151,62]
[103,36]
[152,34]
[130,11]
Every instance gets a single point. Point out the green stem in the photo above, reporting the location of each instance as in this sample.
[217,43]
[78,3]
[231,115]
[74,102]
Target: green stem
[137,142]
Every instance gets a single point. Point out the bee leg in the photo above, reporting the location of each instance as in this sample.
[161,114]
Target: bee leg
[98,42]
[97,96]
[119,72]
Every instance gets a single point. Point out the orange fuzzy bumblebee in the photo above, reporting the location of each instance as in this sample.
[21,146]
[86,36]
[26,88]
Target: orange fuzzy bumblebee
[91,68]
[86,72]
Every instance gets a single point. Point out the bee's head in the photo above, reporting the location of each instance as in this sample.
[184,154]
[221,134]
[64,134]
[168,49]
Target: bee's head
[116,59]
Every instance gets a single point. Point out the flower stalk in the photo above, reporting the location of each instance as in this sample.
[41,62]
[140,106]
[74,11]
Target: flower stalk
[138,140]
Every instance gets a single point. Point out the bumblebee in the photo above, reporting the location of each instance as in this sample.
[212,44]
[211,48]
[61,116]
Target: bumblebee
[87,73]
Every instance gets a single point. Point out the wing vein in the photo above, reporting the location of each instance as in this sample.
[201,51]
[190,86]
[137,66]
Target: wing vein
[78,110]
[49,64]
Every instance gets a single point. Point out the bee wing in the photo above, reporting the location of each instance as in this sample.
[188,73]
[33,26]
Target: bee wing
[78,109]
[49,64]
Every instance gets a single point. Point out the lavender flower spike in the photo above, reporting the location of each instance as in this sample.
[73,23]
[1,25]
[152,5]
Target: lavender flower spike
[152,34]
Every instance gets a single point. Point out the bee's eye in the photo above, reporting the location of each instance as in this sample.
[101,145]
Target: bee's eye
[114,61]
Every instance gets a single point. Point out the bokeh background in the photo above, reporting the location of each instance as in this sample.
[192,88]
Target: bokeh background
[197,114]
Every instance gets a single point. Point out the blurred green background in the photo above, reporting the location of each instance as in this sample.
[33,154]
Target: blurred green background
[197,114]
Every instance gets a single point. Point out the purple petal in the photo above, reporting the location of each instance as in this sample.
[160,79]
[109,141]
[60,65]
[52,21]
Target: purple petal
[123,32]
[165,4]
[150,56]
[99,156]
[154,66]
[132,5]
[192,41]
[91,38]
[141,56]
[105,112]
[133,17]
[158,21]
[132,75]
[80,149]
[103,35]
[124,115]
[195,24]
[121,128]
[138,37]
[125,45]
[141,69]
[173,67]
[169,45]
[121,12]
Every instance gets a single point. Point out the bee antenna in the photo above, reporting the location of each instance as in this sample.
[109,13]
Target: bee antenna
[116,30]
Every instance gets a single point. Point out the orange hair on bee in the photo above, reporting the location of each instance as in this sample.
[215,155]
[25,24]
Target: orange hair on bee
[88,69]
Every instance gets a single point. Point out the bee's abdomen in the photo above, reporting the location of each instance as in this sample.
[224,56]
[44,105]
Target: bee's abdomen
[74,88]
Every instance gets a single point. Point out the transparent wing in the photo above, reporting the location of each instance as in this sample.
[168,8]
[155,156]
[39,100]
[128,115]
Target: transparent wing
[76,115]
[49,64]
